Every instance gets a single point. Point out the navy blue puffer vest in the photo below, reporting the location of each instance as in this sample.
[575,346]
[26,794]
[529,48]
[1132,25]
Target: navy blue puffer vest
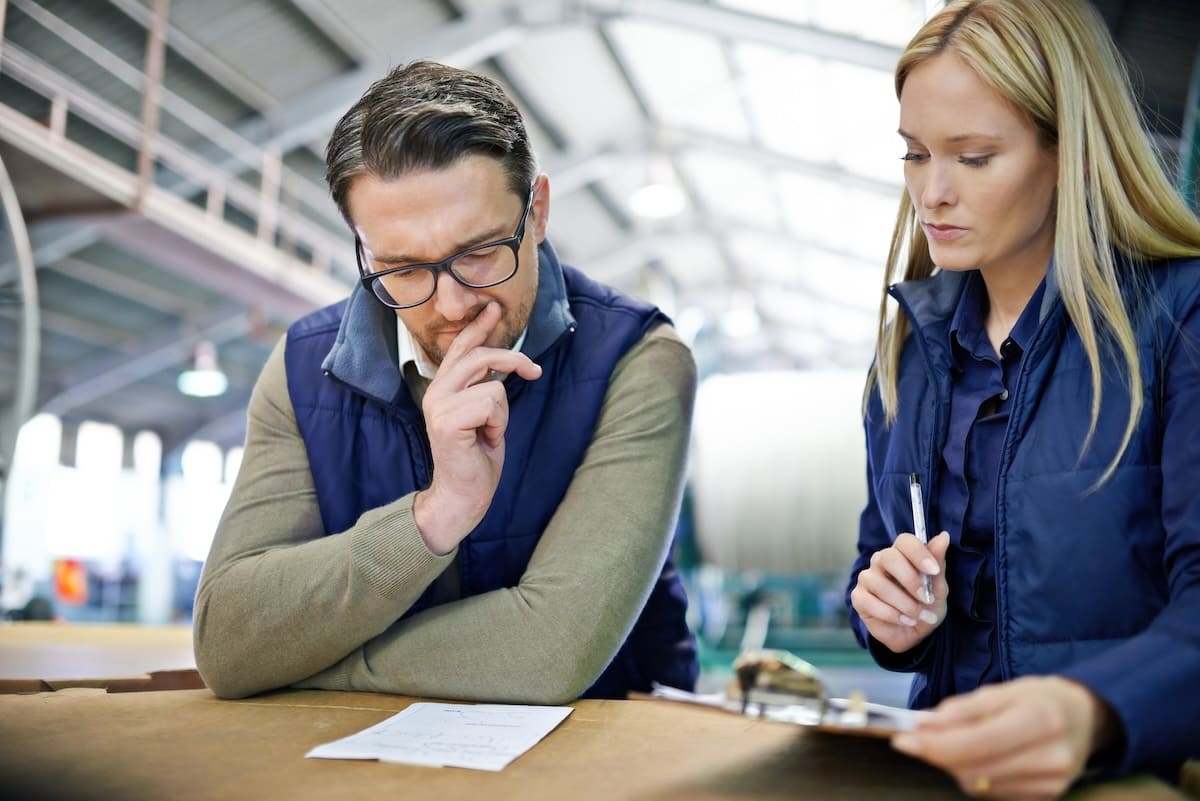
[366,451]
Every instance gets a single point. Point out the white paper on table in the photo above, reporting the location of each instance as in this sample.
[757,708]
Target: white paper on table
[479,736]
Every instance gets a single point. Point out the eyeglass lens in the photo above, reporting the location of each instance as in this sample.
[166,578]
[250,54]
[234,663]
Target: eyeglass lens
[478,268]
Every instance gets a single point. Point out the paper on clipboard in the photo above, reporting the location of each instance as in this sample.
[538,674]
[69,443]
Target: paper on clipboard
[839,716]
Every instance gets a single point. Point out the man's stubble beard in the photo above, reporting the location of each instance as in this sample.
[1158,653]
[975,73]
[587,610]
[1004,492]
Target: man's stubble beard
[510,327]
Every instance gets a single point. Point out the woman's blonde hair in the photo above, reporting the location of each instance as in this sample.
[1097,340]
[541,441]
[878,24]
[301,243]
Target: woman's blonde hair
[1055,62]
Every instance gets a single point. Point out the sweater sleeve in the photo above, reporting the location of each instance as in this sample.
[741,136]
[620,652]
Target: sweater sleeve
[548,638]
[278,600]
[1149,680]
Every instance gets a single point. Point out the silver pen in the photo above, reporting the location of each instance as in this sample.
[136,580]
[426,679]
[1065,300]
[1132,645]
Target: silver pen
[918,506]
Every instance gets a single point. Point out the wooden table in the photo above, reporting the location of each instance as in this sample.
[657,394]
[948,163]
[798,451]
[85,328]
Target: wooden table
[84,744]
[47,656]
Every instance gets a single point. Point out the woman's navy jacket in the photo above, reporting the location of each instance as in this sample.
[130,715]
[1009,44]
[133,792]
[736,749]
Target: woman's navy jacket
[1099,584]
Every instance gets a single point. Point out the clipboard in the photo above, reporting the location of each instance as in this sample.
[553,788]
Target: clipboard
[841,716]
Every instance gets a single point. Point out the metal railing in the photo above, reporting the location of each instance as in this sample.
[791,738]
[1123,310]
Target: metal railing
[274,205]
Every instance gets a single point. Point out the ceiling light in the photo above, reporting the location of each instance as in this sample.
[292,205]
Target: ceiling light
[741,320]
[204,379]
[657,201]
[740,323]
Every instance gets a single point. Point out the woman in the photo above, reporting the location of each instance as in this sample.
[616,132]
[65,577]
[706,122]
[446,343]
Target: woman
[1042,379]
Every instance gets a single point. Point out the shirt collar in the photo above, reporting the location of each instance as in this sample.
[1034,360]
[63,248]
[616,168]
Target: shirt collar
[967,332]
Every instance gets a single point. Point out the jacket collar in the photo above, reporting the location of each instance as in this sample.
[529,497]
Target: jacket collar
[930,302]
[364,353]
[551,316]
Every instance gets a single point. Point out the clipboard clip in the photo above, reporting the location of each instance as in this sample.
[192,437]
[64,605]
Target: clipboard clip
[776,678]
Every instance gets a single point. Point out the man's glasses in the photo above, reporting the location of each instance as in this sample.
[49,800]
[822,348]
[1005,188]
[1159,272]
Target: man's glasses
[476,267]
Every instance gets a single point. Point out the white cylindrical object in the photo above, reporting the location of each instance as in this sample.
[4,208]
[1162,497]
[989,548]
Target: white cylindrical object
[778,471]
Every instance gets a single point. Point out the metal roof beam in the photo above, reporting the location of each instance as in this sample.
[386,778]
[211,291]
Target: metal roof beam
[639,251]
[691,192]
[126,287]
[541,116]
[172,232]
[331,24]
[53,239]
[574,170]
[481,35]
[729,23]
[156,351]
[472,39]
[203,59]
[70,326]
[287,292]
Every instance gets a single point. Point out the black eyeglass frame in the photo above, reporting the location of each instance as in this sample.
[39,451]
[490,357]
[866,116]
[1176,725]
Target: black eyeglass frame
[513,243]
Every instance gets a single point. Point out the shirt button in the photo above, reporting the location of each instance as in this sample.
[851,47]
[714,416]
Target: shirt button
[1004,395]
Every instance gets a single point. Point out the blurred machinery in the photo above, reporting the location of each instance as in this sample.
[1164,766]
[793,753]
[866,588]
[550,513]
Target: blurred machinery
[775,491]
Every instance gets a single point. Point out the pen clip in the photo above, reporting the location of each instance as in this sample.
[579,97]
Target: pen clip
[918,508]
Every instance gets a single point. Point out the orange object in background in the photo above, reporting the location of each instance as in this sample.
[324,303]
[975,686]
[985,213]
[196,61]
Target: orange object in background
[70,581]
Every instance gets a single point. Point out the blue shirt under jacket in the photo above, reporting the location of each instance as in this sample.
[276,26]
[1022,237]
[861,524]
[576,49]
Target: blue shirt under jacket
[965,497]
[1100,584]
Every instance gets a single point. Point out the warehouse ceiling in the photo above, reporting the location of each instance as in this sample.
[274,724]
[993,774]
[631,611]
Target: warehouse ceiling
[767,127]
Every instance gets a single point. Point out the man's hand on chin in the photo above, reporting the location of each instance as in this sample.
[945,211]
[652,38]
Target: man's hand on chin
[466,415]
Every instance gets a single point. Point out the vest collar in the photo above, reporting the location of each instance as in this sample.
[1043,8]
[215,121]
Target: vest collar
[364,353]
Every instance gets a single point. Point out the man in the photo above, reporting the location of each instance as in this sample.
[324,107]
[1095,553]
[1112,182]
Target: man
[462,481]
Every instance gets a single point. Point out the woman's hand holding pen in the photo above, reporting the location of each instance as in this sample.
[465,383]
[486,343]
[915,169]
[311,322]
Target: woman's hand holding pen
[889,595]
